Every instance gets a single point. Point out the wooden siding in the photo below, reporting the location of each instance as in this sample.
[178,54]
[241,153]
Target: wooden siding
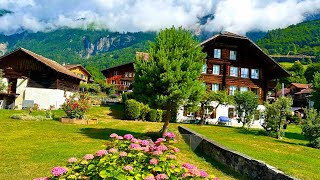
[120,78]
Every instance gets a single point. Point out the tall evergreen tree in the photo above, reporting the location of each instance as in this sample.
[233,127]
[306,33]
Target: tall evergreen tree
[170,77]
[316,91]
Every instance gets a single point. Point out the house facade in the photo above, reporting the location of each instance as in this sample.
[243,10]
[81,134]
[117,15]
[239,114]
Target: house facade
[122,76]
[236,64]
[34,79]
[81,72]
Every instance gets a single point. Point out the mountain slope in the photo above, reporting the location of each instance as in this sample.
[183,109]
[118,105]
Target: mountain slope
[303,38]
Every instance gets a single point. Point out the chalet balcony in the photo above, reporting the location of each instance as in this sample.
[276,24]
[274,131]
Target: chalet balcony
[121,87]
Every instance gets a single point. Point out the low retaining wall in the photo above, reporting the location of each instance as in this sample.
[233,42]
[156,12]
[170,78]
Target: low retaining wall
[245,165]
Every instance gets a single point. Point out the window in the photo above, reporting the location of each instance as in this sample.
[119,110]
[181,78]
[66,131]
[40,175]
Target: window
[243,89]
[232,90]
[204,69]
[234,71]
[231,112]
[126,74]
[115,73]
[233,55]
[255,73]
[216,69]
[255,90]
[113,81]
[245,72]
[130,74]
[217,53]
[215,87]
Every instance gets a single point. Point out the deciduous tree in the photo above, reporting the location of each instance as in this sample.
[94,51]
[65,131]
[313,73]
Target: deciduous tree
[246,104]
[316,91]
[170,77]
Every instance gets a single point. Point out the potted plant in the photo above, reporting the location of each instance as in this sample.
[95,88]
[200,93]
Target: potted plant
[75,108]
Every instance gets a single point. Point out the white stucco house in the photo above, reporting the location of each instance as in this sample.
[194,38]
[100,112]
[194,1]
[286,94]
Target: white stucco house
[34,79]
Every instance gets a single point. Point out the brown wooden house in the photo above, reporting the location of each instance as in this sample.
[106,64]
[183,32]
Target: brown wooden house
[122,76]
[32,77]
[235,63]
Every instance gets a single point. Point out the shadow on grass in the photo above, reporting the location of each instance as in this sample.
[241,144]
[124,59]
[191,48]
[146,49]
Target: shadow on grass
[104,133]
[291,143]
[291,135]
[226,170]
[117,111]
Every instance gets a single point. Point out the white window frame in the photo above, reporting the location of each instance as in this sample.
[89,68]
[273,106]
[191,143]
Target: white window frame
[244,89]
[217,53]
[115,73]
[232,73]
[233,55]
[232,90]
[254,73]
[113,82]
[216,69]
[215,87]
[244,75]
[204,69]
[126,74]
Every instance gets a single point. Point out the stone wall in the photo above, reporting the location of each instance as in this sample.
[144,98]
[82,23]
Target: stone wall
[245,165]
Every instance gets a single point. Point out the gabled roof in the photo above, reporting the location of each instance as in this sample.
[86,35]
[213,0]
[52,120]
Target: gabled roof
[226,34]
[300,86]
[305,91]
[71,66]
[131,62]
[48,62]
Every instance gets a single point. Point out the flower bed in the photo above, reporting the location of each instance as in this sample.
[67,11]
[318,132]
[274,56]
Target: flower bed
[130,158]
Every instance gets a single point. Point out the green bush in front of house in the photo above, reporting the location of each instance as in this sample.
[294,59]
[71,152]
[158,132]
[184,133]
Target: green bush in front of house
[311,127]
[155,115]
[132,109]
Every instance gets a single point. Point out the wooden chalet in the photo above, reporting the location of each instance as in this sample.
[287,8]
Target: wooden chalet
[122,76]
[235,63]
[35,78]
[81,72]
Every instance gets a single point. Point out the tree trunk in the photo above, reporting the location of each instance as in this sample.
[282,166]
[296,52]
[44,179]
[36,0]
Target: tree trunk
[202,114]
[166,122]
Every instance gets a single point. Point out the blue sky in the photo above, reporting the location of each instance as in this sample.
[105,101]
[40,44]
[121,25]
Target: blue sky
[239,16]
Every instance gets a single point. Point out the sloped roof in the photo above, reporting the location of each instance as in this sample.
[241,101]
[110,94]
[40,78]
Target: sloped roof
[226,34]
[279,93]
[300,86]
[71,66]
[305,91]
[48,62]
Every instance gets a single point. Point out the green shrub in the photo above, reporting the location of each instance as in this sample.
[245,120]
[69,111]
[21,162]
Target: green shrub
[132,109]
[311,127]
[155,115]
[144,110]
[126,96]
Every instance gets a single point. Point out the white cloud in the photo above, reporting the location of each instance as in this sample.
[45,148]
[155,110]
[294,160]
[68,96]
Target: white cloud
[151,15]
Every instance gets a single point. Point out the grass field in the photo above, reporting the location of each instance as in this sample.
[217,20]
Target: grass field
[290,155]
[31,148]
[287,65]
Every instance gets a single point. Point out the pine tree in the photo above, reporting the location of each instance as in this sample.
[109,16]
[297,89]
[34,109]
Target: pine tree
[170,77]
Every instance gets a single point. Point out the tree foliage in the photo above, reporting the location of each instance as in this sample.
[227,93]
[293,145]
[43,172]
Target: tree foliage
[311,127]
[316,91]
[3,86]
[311,70]
[170,77]
[275,115]
[246,104]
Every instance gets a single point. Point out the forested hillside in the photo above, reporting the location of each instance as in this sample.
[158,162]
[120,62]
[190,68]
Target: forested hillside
[99,47]
[303,38]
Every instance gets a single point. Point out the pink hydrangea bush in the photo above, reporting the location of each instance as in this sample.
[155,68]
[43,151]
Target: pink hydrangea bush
[130,158]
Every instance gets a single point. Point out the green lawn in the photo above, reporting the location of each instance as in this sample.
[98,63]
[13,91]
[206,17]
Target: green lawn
[290,155]
[287,65]
[31,148]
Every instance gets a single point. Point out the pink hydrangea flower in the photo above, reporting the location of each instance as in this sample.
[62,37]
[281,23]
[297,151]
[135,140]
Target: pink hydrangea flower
[173,166]
[128,136]
[145,149]
[161,177]
[169,135]
[144,143]
[101,153]
[170,156]
[119,137]
[216,178]
[134,140]
[162,148]
[113,150]
[88,156]
[135,146]
[57,171]
[114,135]
[154,161]
[159,140]
[194,172]
[157,153]
[72,160]
[42,178]
[203,173]
[188,166]
[149,178]
[176,150]
[123,154]
[128,167]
